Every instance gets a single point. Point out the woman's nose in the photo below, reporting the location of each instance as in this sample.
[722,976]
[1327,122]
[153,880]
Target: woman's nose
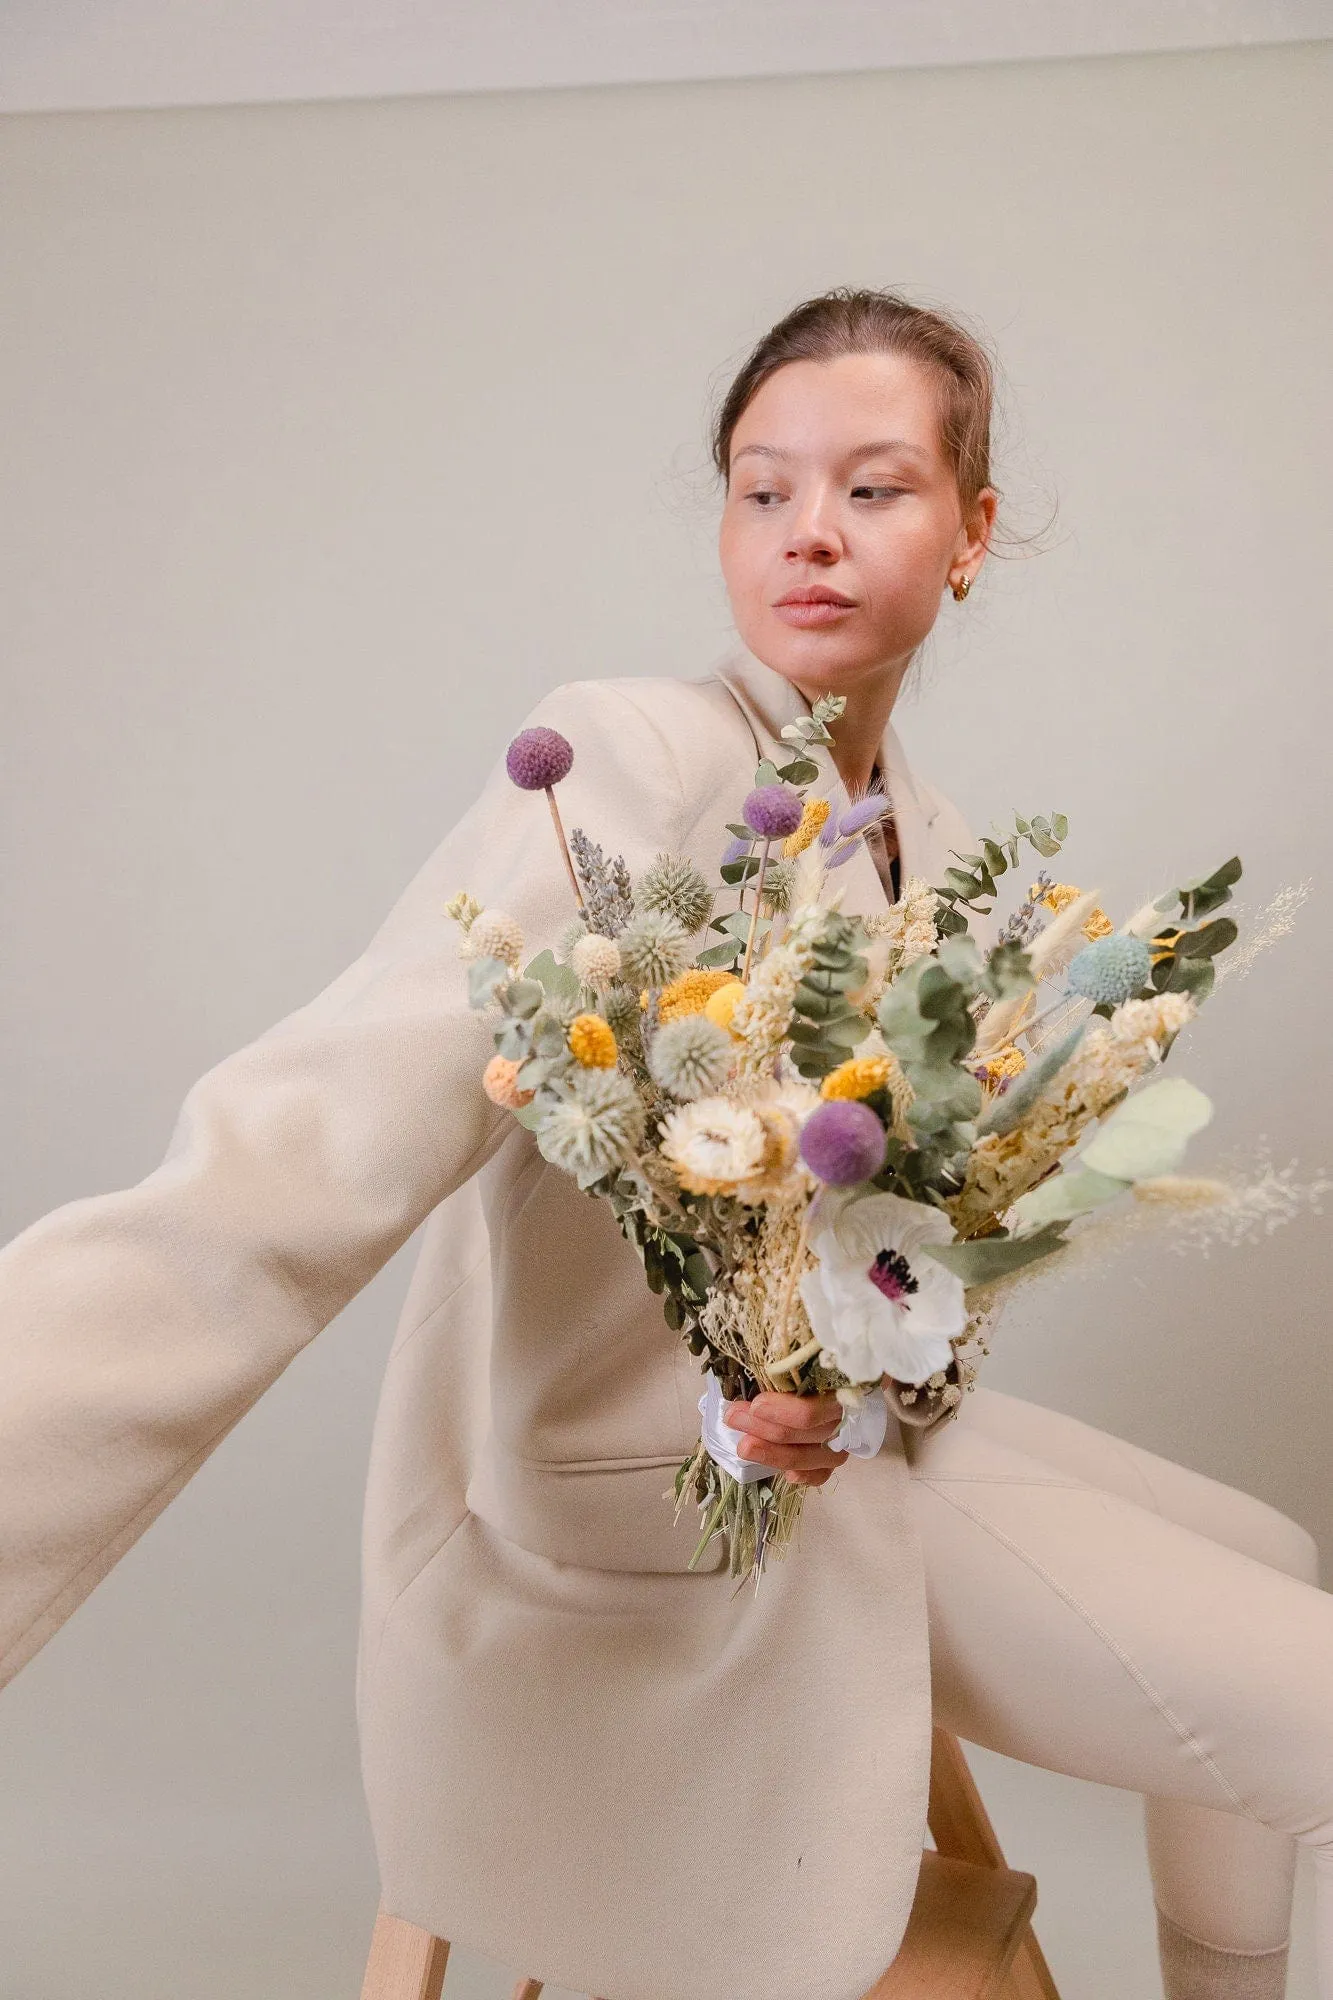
[813,534]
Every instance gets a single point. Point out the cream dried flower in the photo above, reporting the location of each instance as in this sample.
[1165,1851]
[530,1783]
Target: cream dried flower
[595,961]
[495,935]
[712,1145]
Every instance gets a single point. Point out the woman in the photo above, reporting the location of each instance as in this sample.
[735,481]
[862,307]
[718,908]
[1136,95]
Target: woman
[580,1756]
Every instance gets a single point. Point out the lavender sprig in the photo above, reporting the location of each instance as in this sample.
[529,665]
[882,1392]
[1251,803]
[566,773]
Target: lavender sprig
[606,886]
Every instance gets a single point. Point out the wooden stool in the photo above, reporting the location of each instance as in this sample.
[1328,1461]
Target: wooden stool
[969,1936]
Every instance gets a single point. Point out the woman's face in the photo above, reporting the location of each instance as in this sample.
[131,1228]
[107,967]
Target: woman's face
[839,485]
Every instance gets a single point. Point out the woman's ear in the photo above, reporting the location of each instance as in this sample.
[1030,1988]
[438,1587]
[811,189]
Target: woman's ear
[975,533]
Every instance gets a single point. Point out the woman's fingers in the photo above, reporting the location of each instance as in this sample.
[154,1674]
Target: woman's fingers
[787,1419]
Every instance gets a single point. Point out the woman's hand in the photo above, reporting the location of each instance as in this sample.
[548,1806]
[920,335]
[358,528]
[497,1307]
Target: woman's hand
[790,1432]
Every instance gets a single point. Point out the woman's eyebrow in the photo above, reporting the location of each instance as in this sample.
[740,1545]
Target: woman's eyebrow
[854,456]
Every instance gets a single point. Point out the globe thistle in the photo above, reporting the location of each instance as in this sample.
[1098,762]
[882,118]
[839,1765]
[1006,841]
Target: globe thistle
[594,1125]
[778,877]
[843,1143]
[676,887]
[691,993]
[690,1057]
[595,961]
[654,948]
[499,1080]
[1112,970]
[814,817]
[538,758]
[570,938]
[773,811]
[591,1042]
[620,1009]
[495,935]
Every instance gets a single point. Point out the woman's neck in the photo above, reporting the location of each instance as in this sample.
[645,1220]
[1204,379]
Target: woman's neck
[859,730]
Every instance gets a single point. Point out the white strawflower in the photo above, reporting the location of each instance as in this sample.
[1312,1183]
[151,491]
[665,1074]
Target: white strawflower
[712,1145]
[595,961]
[495,935]
[876,1298]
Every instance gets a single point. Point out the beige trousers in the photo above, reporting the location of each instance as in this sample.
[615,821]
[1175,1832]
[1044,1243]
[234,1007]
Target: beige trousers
[1097,1610]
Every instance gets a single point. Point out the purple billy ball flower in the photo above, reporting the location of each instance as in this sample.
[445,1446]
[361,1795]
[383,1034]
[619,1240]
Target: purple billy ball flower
[538,759]
[863,814]
[843,1142]
[773,811]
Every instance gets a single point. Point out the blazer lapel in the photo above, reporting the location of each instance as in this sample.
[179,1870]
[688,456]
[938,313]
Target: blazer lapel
[770,702]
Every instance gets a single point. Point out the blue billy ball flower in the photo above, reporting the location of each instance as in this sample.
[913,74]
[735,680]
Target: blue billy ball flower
[773,811]
[843,1142]
[539,758]
[1111,970]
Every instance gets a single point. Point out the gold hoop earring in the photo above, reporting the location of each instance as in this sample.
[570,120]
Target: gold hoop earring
[960,588]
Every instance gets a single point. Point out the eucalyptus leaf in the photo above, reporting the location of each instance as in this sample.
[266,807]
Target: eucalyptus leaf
[992,1257]
[1149,1132]
[525,996]
[720,954]
[801,771]
[767,774]
[1067,1194]
[483,976]
[556,979]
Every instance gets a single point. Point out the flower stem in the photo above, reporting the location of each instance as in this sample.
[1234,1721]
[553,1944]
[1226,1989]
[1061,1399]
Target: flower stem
[758,905]
[792,1361]
[564,851]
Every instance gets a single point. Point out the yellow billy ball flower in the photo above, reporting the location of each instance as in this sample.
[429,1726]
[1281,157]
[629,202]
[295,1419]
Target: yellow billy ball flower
[1003,1062]
[814,818]
[690,993]
[591,1042]
[1058,896]
[857,1077]
[723,1002]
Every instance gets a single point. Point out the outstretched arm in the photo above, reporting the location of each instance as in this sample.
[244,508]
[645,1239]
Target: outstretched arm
[137,1327]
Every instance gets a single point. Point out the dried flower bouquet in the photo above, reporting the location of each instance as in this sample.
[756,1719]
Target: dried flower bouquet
[837,1141]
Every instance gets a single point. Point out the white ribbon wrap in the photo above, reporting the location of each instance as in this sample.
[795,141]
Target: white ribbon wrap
[861,1433]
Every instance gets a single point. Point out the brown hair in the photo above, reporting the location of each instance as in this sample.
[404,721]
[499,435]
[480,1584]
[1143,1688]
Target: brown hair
[847,320]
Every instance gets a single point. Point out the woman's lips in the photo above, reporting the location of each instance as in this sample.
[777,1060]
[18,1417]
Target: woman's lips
[812,614]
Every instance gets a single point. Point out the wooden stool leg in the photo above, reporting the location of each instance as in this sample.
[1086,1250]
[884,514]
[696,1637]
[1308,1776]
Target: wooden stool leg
[405,1963]
[961,1828]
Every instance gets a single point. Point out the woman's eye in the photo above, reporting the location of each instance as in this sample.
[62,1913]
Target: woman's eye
[763,495]
[877,490]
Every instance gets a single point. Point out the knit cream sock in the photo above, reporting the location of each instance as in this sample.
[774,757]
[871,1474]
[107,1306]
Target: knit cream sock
[1194,1971]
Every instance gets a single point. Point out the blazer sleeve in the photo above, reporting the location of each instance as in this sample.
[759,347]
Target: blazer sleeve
[137,1327]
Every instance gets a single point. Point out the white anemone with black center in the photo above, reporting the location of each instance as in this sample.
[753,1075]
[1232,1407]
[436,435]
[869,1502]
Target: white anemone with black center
[876,1299]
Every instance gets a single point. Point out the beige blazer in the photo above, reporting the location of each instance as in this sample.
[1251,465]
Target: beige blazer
[578,1757]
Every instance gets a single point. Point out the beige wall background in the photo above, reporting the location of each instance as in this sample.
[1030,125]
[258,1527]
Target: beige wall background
[333,435]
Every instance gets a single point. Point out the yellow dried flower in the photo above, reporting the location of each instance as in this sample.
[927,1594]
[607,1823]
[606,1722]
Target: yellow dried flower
[690,993]
[591,1042]
[499,1080]
[859,1076]
[1058,897]
[814,818]
[1002,1062]
[723,1002]
[1099,925]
